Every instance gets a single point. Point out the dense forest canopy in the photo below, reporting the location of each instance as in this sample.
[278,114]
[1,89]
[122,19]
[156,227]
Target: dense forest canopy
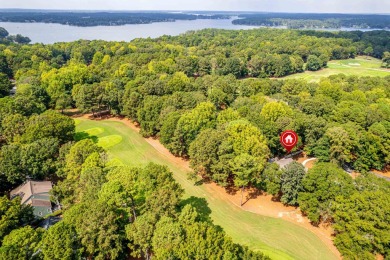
[208,97]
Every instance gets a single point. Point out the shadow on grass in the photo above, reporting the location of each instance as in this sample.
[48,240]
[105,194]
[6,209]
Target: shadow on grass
[199,183]
[83,135]
[231,189]
[201,205]
[251,193]
[193,176]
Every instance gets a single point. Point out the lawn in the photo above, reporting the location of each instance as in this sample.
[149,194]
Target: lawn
[360,66]
[277,238]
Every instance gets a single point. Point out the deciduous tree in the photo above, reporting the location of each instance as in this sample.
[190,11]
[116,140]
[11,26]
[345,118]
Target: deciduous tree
[320,187]
[291,183]
[61,242]
[13,215]
[22,243]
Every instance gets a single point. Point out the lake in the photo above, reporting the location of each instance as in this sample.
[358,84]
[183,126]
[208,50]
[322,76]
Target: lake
[51,33]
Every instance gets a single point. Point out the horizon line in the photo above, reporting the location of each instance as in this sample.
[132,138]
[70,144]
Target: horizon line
[157,10]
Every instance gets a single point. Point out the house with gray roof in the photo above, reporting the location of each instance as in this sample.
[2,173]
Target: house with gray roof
[36,194]
[284,162]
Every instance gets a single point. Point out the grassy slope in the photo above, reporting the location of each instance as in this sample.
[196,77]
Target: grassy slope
[277,238]
[361,66]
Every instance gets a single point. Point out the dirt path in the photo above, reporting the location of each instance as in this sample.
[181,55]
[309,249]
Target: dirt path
[382,174]
[261,204]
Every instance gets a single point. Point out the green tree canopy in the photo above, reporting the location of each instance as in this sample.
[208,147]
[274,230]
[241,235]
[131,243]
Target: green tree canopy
[22,243]
[274,110]
[362,224]
[13,215]
[191,123]
[291,183]
[49,124]
[60,242]
[5,85]
[272,179]
[100,233]
[313,63]
[320,187]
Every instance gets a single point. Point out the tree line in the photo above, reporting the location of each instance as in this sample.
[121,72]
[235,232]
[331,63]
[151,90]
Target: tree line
[6,38]
[311,21]
[86,19]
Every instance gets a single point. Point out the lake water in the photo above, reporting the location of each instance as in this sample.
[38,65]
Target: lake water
[50,32]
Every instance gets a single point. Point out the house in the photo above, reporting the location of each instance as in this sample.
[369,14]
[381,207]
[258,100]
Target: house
[36,194]
[283,162]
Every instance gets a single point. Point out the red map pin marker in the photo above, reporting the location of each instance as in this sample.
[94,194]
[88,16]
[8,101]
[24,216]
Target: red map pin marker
[289,139]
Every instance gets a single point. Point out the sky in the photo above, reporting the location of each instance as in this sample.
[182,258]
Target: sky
[311,6]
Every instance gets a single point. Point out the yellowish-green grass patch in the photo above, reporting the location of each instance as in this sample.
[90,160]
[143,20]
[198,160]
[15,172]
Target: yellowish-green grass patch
[109,141]
[360,66]
[76,121]
[95,131]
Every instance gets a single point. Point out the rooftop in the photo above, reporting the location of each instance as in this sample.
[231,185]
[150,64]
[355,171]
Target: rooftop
[30,188]
[36,194]
[284,162]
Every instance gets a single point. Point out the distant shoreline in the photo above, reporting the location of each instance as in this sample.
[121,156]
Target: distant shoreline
[89,19]
[181,11]
[316,21]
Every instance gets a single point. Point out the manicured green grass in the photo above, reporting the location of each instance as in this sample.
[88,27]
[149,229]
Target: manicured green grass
[77,121]
[360,66]
[109,141]
[94,131]
[277,238]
